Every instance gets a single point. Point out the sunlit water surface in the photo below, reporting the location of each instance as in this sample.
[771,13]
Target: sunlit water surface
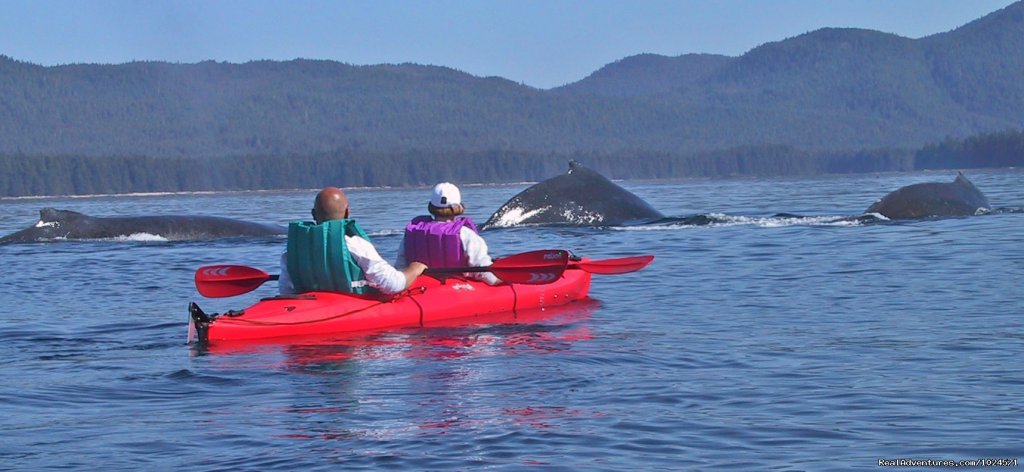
[790,343]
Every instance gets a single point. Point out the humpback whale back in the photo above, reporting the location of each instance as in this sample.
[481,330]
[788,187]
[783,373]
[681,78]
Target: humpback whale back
[52,224]
[580,197]
[928,199]
[57,224]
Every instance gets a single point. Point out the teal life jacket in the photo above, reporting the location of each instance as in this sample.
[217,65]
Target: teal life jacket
[318,257]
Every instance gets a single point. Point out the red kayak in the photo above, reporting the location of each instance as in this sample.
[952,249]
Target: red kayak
[537,279]
[541,329]
[428,300]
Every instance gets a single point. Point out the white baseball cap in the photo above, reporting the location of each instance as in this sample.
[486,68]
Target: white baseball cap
[445,195]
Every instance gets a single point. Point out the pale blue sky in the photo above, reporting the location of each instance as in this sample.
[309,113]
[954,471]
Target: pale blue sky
[542,43]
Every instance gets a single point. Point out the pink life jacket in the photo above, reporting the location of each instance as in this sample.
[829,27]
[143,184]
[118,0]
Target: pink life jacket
[436,243]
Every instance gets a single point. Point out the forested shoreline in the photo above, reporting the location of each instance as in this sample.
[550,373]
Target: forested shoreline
[829,101]
[86,175]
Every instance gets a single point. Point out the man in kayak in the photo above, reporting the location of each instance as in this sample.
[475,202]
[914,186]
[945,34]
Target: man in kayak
[445,239]
[333,253]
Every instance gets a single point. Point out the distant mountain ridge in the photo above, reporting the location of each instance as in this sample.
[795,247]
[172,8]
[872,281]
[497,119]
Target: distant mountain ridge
[647,75]
[834,89]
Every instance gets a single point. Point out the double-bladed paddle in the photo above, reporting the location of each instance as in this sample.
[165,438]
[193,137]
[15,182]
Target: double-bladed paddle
[534,267]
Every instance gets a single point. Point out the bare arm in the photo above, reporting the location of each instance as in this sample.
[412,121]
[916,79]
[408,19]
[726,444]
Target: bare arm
[414,270]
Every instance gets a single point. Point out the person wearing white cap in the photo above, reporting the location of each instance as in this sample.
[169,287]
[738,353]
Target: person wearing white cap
[445,238]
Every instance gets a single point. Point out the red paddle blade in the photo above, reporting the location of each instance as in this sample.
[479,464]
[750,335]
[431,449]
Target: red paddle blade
[218,281]
[621,265]
[532,268]
[539,258]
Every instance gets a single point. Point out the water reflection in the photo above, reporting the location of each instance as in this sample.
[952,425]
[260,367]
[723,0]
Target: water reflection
[446,378]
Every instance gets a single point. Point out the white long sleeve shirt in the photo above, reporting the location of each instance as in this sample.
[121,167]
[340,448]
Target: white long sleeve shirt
[379,274]
[476,253]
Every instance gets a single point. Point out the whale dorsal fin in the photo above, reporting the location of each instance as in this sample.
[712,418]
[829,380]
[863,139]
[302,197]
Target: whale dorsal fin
[961,179]
[574,165]
[51,215]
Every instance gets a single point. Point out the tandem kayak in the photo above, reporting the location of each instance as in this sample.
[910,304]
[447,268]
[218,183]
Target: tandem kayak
[428,300]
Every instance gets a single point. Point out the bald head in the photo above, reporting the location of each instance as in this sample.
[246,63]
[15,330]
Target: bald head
[330,204]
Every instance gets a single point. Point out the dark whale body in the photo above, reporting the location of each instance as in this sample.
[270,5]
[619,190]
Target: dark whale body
[932,199]
[580,197]
[70,225]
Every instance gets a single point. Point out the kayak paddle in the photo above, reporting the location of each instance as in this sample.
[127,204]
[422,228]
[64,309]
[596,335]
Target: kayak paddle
[534,267]
[621,265]
[226,280]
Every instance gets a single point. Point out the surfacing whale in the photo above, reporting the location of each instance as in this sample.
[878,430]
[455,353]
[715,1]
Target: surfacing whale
[580,197]
[932,199]
[57,225]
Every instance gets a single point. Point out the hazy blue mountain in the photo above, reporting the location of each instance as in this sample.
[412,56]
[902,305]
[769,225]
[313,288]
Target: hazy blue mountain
[646,75]
[834,89]
[980,65]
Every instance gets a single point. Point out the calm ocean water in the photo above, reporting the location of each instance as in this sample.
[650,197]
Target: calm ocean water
[759,343]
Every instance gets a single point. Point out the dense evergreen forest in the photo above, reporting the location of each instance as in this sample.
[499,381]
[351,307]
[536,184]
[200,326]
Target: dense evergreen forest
[834,100]
[82,175]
